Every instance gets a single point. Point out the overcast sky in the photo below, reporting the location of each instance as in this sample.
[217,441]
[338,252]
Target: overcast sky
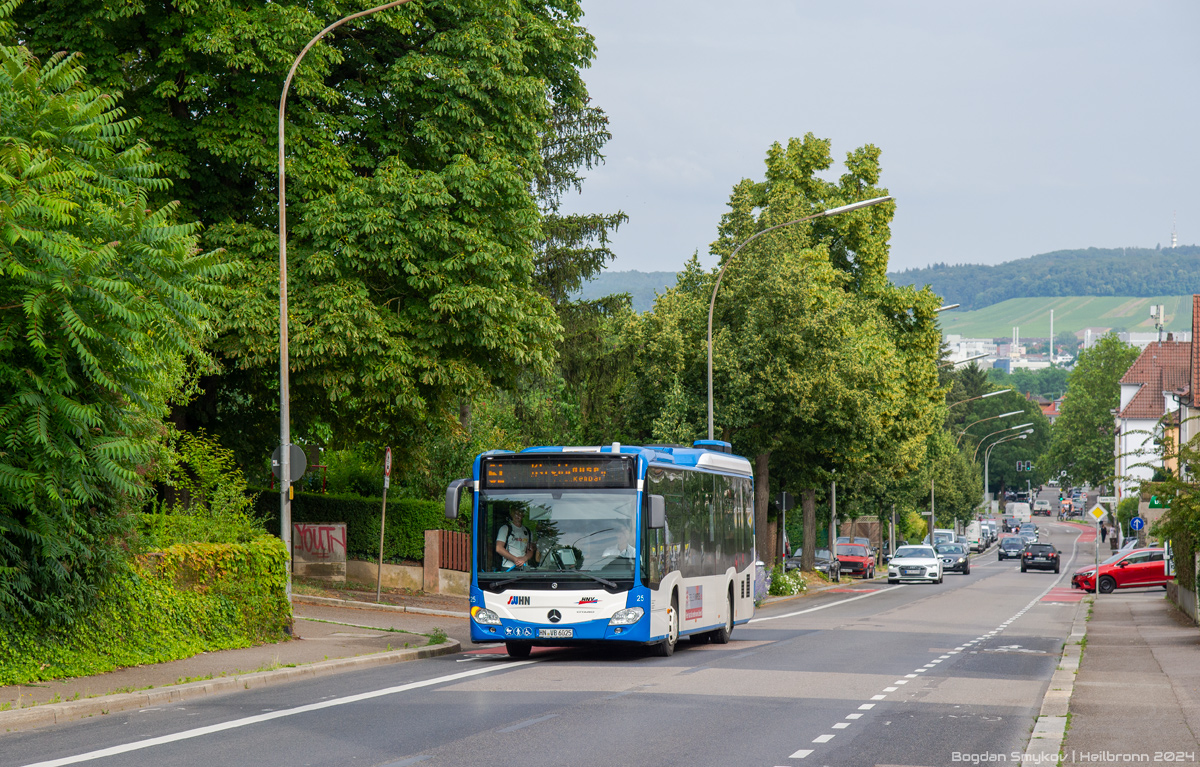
[1007,128]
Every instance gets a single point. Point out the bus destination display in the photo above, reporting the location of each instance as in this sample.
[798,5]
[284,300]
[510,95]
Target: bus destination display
[555,474]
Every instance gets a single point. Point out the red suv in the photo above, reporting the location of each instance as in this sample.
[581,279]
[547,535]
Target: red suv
[1136,569]
[856,560]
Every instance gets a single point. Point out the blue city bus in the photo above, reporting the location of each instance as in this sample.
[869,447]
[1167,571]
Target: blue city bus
[617,544]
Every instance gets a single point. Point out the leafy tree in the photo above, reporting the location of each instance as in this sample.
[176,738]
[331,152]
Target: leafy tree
[414,144]
[573,250]
[973,381]
[103,302]
[1082,440]
[822,369]
[1050,382]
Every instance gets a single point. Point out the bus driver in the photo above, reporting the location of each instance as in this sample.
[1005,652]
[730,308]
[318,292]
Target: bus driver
[513,540]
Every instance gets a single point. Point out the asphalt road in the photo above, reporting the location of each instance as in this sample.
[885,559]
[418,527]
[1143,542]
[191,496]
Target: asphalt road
[868,674]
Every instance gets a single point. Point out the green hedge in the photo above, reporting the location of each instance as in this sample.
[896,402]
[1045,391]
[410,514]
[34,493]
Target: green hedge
[164,606]
[407,521]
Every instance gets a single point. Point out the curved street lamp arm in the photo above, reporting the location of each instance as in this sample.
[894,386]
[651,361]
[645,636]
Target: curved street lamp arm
[981,420]
[981,396]
[999,431]
[721,274]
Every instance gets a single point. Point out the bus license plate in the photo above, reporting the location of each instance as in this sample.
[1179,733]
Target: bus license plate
[555,633]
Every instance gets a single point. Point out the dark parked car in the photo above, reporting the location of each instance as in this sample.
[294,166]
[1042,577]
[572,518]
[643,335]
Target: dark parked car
[955,557]
[1008,524]
[1010,547]
[1040,556]
[823,562]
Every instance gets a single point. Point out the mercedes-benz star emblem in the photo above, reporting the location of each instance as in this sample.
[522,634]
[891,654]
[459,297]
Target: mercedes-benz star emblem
[553,585]
[554,615]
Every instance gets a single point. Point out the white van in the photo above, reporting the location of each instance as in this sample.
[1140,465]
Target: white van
[1020,511]
[973,536]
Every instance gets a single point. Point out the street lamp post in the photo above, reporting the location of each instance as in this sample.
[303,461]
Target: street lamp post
[713,301]
[981,420]
[285,424]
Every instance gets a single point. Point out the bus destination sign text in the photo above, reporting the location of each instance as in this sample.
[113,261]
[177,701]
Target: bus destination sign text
[557,474]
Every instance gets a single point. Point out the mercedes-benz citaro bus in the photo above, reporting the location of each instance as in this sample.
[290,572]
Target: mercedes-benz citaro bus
[626,545]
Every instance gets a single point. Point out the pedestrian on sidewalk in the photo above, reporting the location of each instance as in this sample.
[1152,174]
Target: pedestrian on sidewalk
[1103,532]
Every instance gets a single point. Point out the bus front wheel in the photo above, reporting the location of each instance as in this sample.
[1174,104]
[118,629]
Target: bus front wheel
[666,647]
[518,649]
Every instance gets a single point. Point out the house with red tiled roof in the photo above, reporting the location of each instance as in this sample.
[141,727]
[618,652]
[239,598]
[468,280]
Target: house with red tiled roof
[1151,389]
[1051,408]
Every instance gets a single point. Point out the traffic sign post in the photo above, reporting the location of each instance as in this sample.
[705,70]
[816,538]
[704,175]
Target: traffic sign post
[387,478]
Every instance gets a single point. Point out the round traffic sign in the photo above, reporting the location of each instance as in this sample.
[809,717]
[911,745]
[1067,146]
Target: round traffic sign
[387,462]
[1137,523]
[297,463]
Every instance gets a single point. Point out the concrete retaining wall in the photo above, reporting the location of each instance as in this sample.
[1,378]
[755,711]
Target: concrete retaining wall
[1184,599]
[409,577]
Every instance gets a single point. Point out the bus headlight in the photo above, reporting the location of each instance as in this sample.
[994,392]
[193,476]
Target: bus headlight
[626,617]
[485,617]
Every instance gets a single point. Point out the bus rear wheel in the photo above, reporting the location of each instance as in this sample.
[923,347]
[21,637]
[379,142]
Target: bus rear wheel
[721,635]
[666,648]
[518,649]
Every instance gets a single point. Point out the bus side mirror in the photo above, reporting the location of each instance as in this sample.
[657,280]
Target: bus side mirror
[454,493]
[658,513]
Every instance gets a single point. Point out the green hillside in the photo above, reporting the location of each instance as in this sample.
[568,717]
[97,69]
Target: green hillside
[1032,316]
[1109,272]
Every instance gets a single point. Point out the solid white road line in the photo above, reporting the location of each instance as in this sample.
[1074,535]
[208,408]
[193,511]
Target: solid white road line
[247,721]
[822,607]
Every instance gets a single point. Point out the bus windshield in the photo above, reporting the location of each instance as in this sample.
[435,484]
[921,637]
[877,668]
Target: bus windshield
[541,534]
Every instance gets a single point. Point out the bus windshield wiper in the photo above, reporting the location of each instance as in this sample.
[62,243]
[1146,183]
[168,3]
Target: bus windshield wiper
[503,583]
[598,579]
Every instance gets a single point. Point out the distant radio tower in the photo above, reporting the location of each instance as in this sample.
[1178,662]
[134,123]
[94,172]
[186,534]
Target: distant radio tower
[1174,236]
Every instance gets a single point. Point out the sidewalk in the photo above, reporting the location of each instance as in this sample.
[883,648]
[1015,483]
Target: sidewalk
[1137,694]
[329,635]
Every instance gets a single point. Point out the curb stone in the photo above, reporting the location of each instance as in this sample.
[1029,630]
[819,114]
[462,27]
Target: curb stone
[57,713]
[1050,727]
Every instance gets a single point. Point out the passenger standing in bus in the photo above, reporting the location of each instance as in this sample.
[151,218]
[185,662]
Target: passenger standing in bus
[513,540]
